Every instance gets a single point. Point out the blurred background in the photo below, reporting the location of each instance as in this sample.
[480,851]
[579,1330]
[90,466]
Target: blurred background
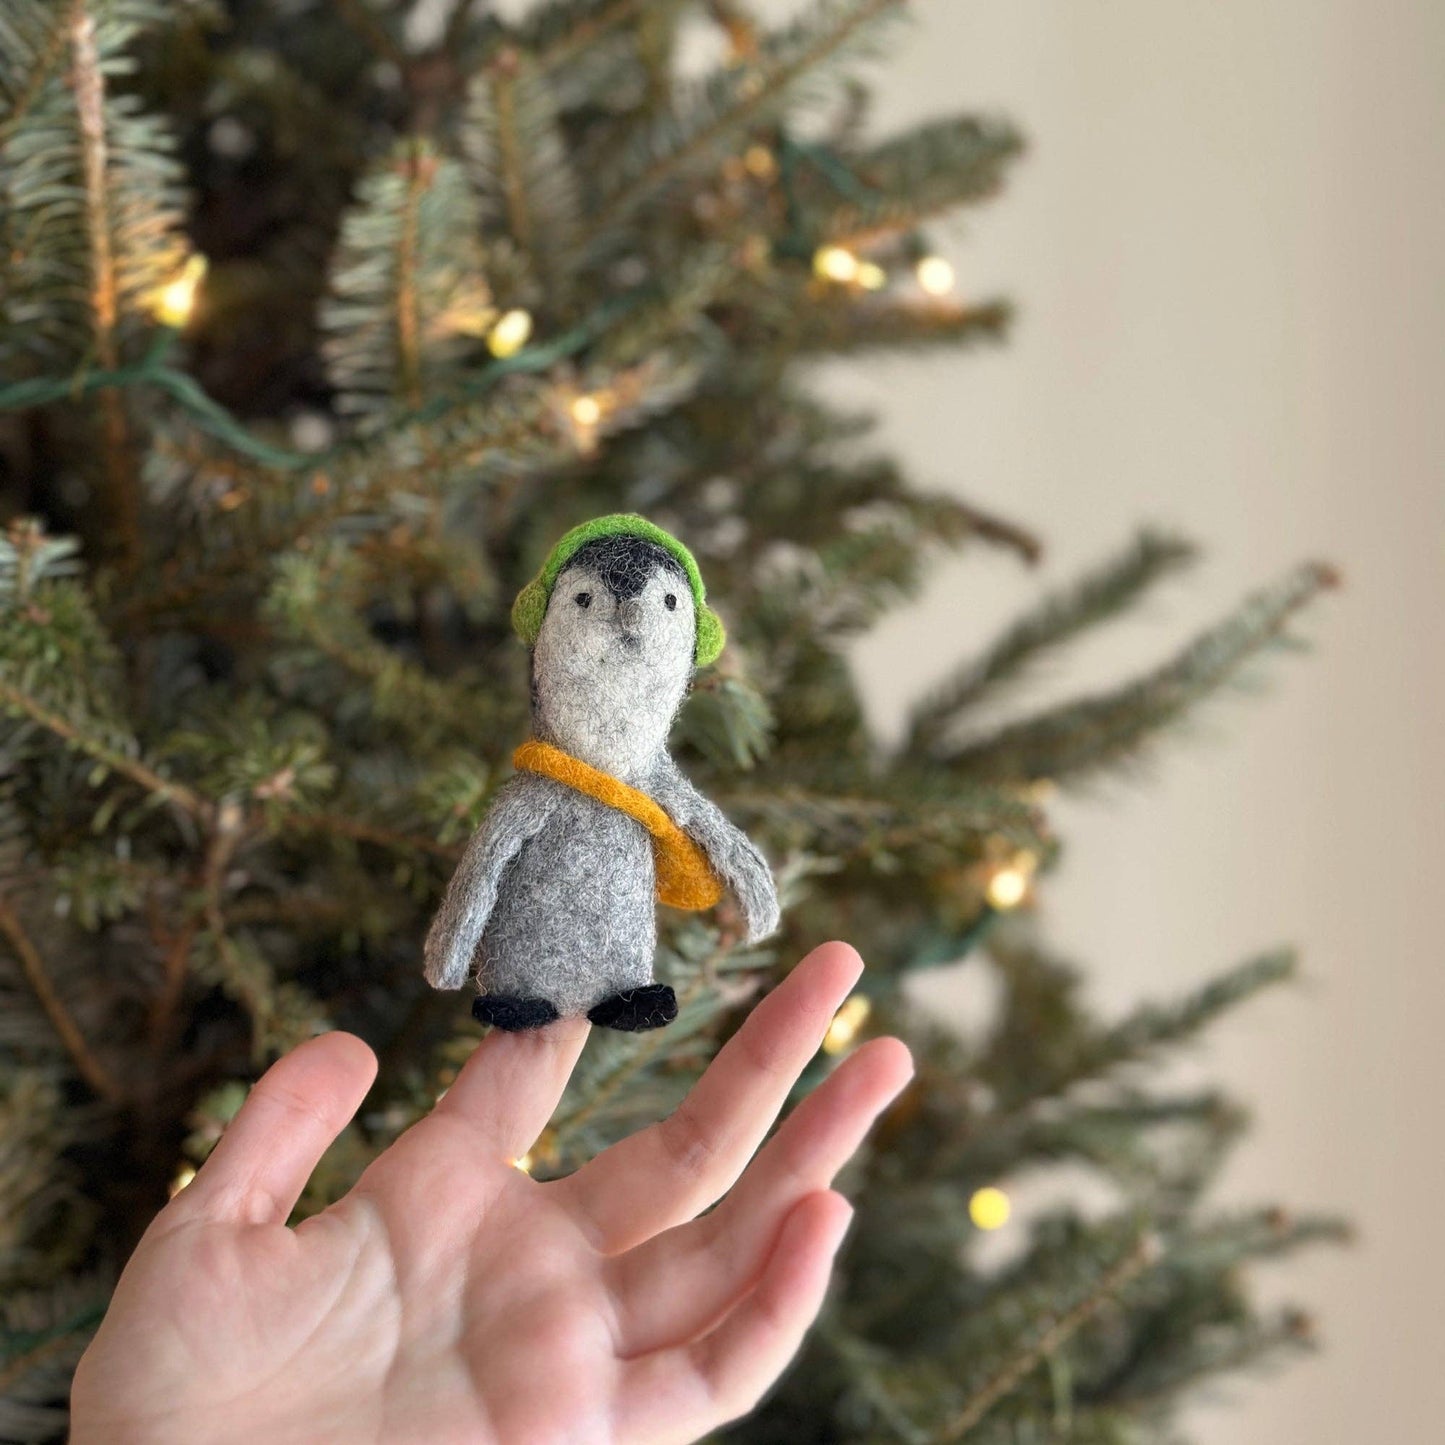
[1225,246]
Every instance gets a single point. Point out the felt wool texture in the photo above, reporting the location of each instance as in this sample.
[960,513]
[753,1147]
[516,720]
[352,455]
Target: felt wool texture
[684,879]
[569,913]
[553,902]
[531,604]
[652,1007]
[513,1014]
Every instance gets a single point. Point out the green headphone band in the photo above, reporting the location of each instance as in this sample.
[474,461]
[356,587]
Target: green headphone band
[531,605]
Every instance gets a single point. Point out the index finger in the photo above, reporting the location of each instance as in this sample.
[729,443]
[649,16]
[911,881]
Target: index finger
[670,1172]
[260,1165]
[506,1091]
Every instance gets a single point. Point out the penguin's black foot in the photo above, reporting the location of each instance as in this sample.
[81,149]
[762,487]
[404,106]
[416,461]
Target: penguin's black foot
[650,1007]
[503,1011]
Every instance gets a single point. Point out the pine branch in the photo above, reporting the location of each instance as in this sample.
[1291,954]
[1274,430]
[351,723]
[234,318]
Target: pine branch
[376,36]
[1222,1244]
[1144,1255]
[19,703]
[35,33]
[734,98]
[95,1074]
[850,326]
[909,178]
[1082,1052]
[175,952]
[43,1331]
[1083,738]
[120,465]
[560,29]
[409,298]
[857,828]
[998,531]
[704,276]
[522,168]
[1098,597]
[408,322]
[503,429]
[44,1346]
[308,604]
[1249,1345]
[90,111]
[282,1015]
[362,830]
[89,226]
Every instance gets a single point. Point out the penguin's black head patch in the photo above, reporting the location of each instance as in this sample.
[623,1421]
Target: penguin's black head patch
[625,563]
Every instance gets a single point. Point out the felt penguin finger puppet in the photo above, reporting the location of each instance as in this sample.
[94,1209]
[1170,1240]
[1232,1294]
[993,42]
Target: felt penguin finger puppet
[553,905]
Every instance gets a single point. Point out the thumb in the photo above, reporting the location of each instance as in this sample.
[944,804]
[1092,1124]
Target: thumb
[300,1104]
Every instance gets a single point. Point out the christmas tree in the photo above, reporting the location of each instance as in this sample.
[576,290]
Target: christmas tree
[319,322]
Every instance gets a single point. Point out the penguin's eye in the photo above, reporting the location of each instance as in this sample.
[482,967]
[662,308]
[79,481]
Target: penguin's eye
[670,602]
[583,599]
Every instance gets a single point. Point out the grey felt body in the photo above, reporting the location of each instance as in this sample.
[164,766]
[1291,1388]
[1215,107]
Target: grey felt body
[555,895]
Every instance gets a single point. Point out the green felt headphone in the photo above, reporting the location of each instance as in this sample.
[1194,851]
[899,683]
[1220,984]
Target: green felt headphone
[531,605]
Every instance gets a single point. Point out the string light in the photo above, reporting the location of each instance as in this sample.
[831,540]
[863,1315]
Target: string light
[511,333]
[989,1208]
[935,275]
[586,410]
[1008,886]
[184,1175]
[846,1022]
[871,276]
[835,263]
[176,300]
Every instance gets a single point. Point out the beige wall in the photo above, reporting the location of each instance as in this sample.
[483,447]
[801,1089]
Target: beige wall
[1227,248]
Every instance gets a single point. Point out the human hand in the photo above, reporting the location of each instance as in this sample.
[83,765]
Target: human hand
[451,1298]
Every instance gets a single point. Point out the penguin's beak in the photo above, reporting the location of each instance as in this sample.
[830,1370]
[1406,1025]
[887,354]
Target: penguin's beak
[629,620]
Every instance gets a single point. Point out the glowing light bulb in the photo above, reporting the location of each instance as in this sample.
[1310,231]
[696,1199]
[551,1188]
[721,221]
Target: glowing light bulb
[524,1163]
[1007,887]
[835,263]
[846,1023]
[176,300]
[511,333]
[935,275]
[989,1208]
[184,1175]
[871,276]
[586,410]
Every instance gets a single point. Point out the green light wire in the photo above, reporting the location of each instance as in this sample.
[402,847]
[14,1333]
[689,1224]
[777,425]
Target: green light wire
[794,153]
[211,417]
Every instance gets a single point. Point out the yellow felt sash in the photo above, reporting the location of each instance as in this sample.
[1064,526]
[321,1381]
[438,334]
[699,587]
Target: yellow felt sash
[684,878]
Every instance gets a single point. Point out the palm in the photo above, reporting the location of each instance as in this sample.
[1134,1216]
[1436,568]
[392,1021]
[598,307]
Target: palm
[449,1297]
